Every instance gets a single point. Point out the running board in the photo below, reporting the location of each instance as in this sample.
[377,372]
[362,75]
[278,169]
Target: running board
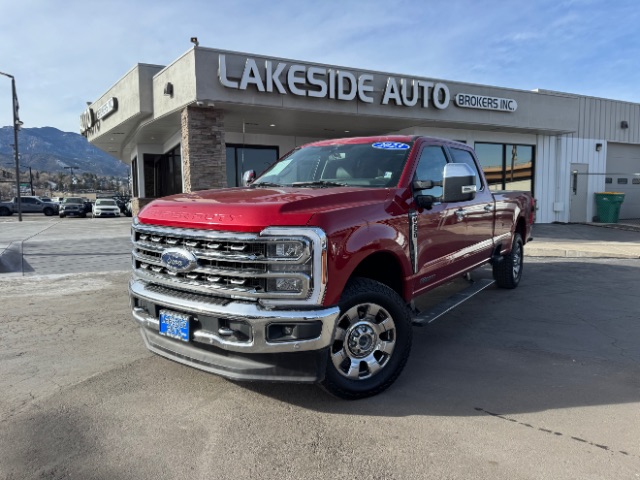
[428,316]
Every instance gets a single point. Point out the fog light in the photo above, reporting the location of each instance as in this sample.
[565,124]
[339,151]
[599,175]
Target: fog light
[285,284]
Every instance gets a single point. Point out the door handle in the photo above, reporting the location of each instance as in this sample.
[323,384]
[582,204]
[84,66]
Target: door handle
[488,208]
[460,214]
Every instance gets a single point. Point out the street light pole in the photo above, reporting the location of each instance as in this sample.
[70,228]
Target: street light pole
[31,182]
[16,127]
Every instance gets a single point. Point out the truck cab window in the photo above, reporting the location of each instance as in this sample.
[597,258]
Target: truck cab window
[431,167]
[463,156]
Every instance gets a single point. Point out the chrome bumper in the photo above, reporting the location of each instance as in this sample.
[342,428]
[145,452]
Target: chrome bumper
[252,313]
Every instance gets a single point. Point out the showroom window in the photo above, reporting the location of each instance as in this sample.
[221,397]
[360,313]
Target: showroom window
[507,166]
[163,174]
[242,158]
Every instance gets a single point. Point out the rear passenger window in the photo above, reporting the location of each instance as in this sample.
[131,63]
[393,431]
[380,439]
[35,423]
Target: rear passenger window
[463,156]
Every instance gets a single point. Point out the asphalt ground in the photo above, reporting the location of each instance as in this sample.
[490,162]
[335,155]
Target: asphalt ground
[541,382]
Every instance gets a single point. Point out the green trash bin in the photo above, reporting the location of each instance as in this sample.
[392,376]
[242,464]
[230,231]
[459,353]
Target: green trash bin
[608,205]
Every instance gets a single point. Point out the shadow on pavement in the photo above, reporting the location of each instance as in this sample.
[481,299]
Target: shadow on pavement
[567,337]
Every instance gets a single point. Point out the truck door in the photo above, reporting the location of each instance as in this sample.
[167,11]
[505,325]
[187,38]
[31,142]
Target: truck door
[28,205]
[477,215]
[449,238]
[438,234]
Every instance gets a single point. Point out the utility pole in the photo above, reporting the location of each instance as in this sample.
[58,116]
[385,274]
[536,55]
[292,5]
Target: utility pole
[16,126]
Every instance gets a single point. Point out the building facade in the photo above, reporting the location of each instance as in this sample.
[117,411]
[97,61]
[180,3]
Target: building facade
[203,120]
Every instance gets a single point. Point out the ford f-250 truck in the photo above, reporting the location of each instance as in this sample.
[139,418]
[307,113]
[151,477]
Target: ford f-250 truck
[309,273]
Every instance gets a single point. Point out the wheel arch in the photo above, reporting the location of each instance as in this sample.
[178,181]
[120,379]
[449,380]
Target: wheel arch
[383,267]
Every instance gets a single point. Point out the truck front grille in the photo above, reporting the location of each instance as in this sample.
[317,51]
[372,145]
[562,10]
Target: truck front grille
[228,264]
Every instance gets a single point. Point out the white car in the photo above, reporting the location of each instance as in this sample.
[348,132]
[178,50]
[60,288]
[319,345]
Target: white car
[106,207]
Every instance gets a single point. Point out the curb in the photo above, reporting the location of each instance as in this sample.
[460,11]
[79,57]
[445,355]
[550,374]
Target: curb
[574,253]
[11,258]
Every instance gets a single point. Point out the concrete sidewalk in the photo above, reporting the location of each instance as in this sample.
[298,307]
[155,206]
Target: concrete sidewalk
[583,241]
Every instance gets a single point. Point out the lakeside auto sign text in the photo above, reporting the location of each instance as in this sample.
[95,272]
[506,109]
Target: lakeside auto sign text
[322,82]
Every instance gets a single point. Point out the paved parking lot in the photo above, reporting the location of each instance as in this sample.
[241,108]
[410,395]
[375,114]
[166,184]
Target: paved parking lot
[71,245]
[542,382]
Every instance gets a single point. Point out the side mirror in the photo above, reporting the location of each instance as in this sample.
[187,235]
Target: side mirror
[248,177]
[458,183]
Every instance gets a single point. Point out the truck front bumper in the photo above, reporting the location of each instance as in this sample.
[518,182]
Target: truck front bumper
[237,339]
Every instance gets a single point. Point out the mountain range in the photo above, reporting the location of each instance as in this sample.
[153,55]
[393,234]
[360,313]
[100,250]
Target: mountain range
[48,149]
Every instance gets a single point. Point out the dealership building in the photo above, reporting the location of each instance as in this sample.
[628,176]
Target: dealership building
[203,120]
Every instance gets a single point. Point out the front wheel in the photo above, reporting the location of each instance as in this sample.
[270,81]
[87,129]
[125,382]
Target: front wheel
[48,212]
[508,272]
[371,342]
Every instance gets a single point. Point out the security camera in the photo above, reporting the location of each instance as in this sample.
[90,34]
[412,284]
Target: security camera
[194,40]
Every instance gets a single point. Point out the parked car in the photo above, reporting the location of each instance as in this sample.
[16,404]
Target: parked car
[88,205]
[57,200]
[106,207]
[122,201]
[73,206]
[28,204]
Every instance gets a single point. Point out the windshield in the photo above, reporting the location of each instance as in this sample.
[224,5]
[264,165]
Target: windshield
[106,203]
[73,200]
[373,164]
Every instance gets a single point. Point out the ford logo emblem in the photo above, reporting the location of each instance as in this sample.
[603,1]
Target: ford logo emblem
[179,260]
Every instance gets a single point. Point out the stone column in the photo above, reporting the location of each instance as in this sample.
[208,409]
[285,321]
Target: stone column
[204,157]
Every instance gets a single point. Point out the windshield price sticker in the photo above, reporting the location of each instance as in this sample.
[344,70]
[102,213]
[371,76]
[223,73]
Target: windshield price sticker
[391,146]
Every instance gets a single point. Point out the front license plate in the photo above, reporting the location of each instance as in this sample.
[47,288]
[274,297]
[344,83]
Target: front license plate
[174,325]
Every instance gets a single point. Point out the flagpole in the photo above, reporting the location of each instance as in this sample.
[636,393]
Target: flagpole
[16,127]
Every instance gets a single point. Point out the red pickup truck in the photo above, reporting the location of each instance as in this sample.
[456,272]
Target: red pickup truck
[309,273]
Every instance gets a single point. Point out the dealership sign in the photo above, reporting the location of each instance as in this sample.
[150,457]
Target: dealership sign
[467,100]
[322,82]
[89,119]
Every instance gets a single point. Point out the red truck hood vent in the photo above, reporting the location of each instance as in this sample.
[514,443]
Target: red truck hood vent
[252,209]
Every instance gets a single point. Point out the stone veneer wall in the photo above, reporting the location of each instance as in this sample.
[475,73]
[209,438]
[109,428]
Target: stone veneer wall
[138,203]
[204,158]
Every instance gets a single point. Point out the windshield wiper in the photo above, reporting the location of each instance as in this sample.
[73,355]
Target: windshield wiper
[318,183]
[265,184]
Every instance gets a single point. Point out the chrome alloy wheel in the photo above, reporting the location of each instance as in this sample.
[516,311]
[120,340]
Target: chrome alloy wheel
[364,341]
[517,259]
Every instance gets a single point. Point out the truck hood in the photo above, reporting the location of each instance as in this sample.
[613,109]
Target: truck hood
[252,209]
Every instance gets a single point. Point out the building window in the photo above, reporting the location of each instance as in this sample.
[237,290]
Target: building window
[242,158]
[507,166]
[163,174]
[134,176]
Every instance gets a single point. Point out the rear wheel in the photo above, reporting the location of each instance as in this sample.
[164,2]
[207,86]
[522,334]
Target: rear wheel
[371,343]
[4,211]
[508,272]
[62,215]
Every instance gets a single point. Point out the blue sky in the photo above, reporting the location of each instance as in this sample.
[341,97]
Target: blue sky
[64,53]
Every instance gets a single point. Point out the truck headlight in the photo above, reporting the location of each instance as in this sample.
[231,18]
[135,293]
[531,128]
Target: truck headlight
[289,249]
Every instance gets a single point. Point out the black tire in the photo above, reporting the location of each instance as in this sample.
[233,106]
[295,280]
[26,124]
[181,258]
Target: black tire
[83,215]
[48,212]
[62,215]
[508,272]
[5,212]
[373,335]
